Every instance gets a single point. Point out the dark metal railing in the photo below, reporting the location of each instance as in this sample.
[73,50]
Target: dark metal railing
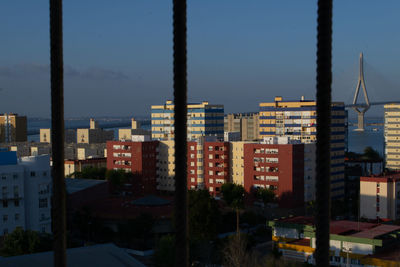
[324,102]
[180,124]
[57,132]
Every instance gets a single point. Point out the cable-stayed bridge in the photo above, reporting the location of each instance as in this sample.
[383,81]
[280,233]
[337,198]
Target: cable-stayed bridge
[361,108]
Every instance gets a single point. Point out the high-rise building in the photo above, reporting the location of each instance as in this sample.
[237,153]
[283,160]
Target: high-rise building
[392,136]
[204,119]
[25,193]
[138,158]
[245,123]
[298,120]
[12,128]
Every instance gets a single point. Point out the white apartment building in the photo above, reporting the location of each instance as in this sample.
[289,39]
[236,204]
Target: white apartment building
[25,193]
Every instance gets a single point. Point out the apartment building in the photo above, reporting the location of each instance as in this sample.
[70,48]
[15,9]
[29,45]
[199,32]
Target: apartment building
[207,165]
[13,128]
[45,135]
[94,134]
[297,120]
[247,124]
[351,243]
[139,158]
[25,193]
[204,119]
[380,197]
[392,136]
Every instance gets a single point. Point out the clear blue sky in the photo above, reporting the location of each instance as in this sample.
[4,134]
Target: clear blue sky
[118,54]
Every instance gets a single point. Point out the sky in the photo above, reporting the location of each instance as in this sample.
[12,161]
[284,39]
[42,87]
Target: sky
[118,54]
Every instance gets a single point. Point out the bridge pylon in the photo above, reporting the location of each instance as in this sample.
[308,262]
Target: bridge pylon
[361,111]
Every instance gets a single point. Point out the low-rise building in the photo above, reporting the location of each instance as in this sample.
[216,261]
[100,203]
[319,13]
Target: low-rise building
[94,134]
[380,196]
[25,193]
[73,166]
[351,243]
[69,136]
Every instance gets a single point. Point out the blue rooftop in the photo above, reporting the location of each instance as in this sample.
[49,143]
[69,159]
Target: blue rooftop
[8,157]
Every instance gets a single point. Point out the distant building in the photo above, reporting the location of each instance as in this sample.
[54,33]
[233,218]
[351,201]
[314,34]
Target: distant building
[232,136]
[380,197]
[351,243]
[73,166]
[392,136]
[204,119]
[94,134]
[25,193]
[13,128]
[247,124]
[297,120]
[134,133]
[45,136]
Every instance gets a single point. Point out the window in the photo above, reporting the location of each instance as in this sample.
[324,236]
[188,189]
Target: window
[33,174]
[210,164]
[43,203]
[210,173]
[191,147]
[210,181]
[16,193]
[16,216]
[5,218]
[5,203]
[15,176]
[5,231]
[16,203]
[3,177]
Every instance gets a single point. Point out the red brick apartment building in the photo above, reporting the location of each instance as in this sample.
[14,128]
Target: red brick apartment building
[216,166]
[276,166]
[136,157]
[208,166]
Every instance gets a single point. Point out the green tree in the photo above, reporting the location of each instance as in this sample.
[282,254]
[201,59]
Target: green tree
[164,254]
[204,215]
[266,195]
[25,242]
[116,177]
[233,195]
[372,156]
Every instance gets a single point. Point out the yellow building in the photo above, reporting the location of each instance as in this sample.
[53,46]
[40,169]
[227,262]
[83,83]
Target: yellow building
[13,128]
[203,120]
[392,136]
[93,135]
[237,162]
[298,121]
[166,166]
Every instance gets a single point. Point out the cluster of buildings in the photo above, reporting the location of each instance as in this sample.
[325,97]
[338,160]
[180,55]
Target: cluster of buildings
[272,149]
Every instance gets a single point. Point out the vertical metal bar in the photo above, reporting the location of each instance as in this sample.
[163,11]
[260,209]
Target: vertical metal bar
[57,132]
[324,101]
[180,124]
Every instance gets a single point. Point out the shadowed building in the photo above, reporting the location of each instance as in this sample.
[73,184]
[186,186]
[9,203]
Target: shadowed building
[12,128]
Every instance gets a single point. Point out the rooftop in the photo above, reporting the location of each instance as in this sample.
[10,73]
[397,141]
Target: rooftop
[103,255]
[75,185]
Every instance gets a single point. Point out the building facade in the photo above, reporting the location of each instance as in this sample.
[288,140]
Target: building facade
[297,121]
[392,136]
[93,135]
[45,136]
[204,119]
[245,123]
[139,158]
[380,197]
[25,193]
[13,128]
[279,167]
